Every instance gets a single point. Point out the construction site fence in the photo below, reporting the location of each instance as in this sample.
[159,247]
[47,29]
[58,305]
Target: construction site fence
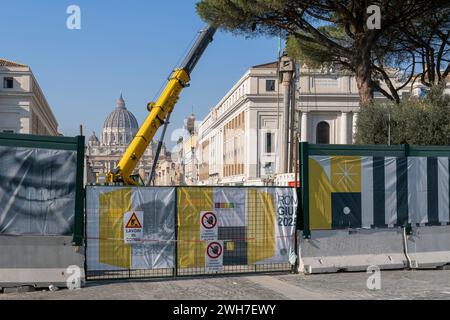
[41,209]
[142,232]
[388,202]
[41,186]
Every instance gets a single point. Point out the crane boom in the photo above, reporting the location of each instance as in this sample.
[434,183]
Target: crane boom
[160,110]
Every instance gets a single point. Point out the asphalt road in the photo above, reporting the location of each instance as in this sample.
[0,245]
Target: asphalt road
[431,284]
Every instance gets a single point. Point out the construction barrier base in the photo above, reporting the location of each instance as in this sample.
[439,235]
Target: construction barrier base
[356,250]
[429,247]
[39,262]
[38,278]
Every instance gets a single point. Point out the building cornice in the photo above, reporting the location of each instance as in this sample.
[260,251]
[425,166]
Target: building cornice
[47,107]
[251,73]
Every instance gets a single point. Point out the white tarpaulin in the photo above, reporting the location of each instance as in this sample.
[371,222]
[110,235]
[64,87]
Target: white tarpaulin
[107,210]
[37,191]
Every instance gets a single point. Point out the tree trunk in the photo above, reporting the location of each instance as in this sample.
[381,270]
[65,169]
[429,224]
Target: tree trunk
[363,70]
[365,90]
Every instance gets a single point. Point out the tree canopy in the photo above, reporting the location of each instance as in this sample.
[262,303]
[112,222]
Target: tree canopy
[337,32]
[414,121]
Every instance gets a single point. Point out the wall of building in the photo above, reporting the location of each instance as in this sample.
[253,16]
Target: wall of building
[24,108]
[331,97]
[327,109]
[167,174]
[236,126]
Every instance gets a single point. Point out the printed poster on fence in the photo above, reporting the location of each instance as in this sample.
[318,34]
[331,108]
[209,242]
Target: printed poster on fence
[130,228]
[214,256]
[256,225]
[286,204]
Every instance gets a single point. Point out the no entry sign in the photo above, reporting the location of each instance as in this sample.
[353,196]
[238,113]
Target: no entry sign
[214,256]
[214,250]
[208,226]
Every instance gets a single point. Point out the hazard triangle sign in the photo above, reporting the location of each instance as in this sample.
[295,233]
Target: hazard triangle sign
[134,222]
[133,227]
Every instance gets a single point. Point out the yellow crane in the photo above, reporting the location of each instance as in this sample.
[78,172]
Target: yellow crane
[159,111]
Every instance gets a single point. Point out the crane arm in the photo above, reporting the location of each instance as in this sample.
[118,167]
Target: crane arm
[160,110]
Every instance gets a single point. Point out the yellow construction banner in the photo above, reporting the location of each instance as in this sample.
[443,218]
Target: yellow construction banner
[245,226]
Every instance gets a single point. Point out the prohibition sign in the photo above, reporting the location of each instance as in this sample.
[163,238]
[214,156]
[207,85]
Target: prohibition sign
[214,250]
[209,220]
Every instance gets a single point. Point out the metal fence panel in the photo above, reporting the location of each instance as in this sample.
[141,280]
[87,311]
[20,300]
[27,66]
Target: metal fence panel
[217,231]
[37,191]
[41,209]
[353,187]
[255,229]
[113,214]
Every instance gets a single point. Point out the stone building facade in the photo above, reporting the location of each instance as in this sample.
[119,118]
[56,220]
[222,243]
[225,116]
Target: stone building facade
[238,140]
[23,106]
[105,152]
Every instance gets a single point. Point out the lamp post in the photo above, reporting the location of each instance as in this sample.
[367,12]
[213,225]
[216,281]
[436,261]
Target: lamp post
[389,126]
[387,121]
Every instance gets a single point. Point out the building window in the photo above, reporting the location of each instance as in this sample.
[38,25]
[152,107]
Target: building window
[270,85]
[323,133]
[270,137]
[8,83]
[8,131]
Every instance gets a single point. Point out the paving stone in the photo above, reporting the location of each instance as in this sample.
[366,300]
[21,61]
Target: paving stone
[409,285]
[22,289]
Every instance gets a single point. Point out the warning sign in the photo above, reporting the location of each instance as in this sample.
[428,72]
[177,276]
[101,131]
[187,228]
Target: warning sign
[133,222]
[133,226]
[214,256]
[208,226]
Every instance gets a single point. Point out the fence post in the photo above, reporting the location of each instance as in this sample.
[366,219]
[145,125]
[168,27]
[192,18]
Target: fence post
[299,221]
[85,228]
[79,195]
[407,226]
[175,271]
[305,188]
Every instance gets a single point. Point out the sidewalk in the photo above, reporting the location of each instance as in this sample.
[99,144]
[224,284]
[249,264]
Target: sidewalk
[395,285]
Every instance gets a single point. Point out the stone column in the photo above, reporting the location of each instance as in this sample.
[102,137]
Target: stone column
[355,128]
[344,128]
[287,73]
[304,127]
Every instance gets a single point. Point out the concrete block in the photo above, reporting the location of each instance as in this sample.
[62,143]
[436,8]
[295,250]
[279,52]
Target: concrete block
[21,289]
[38,261]
[331,251]
[429,247]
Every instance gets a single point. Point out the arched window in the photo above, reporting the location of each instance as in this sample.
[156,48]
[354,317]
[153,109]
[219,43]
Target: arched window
[323,133]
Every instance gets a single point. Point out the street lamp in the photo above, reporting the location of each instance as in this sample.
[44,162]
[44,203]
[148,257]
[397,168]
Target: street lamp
[388,122]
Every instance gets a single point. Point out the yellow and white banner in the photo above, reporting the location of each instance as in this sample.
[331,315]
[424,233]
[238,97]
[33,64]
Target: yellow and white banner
[255,225]
[378,192]
[115,214]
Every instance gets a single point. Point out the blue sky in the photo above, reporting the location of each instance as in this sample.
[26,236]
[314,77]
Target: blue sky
[123,45]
